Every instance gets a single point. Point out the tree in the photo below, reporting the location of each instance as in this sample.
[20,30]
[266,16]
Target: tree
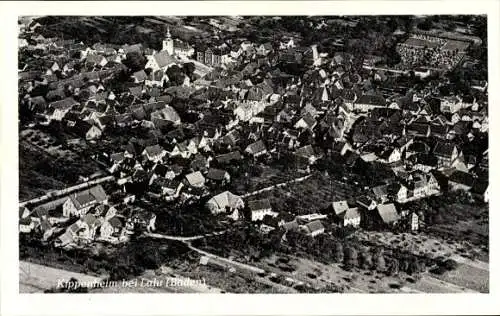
[135,61]
[366,260]
[393,267]
[413,267]
[338,252]
[175,75]
[350,258]
[189,69]
[379,261]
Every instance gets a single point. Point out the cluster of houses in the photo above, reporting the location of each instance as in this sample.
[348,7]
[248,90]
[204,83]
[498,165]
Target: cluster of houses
[256,110]
[431,52]
[85,216]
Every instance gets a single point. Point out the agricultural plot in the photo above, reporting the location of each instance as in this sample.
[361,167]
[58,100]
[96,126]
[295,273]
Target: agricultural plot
[308,196]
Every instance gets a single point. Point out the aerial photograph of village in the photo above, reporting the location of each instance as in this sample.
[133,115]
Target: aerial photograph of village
[253,154]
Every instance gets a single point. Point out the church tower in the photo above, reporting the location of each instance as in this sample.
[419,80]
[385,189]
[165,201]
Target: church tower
[168,43]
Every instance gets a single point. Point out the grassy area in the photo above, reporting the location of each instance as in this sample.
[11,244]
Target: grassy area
[45,166]
[309,195]
[468,277]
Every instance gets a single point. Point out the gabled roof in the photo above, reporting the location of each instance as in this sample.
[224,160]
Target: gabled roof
[195,178]
[93,195]
[257,205]
[380,190]
[306,151]
[462,178]
[314,226]
[140,75]
[216,174]
[340,207]
[64,104]
[153,150]
[227,199]
[164,59]
[388,213]
[226,158]
[168,113]
[115,222]
[309,120]
[372,100]
[137,48]
[444,149]
[351,213]
[256,147]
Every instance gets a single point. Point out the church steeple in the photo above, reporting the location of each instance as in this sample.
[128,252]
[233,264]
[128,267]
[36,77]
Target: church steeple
[168,43]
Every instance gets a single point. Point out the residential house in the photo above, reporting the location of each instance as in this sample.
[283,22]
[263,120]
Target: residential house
[313,228]
[387,214]
[165,117]
[195,180]
[307,121]
[112,229]
[390,155]
[79,203]
[229,158]
[260,208]
[154,153]
[418,130]
[226,202]
[61,108]
[366,202]
[446,153]
[307,153]
[339,207]
[368,102]
[256,149]
[86,130]
[351,217]
[460,180]
[218,176]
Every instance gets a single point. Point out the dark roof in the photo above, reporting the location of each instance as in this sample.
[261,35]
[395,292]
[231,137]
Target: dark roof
[259,205]
[462,178]
[444,149]
[153,150]
[227,158]
[371,99]
[480,186]
[216,174]
[64,104]
[256,147]
[418,128]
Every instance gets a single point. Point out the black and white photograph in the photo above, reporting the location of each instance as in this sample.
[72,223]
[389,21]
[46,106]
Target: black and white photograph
[253,154]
